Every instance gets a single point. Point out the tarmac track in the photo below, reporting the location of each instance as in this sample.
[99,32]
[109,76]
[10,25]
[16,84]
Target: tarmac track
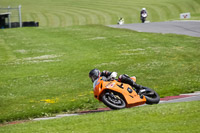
[169,99]
[185,27]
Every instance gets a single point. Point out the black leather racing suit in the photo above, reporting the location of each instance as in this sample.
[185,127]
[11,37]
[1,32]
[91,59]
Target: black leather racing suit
[122,78]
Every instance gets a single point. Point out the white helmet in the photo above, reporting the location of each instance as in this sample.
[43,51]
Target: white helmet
[143,8]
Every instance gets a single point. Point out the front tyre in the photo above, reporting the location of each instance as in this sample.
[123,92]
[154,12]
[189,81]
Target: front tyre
[143,20]
[113,101]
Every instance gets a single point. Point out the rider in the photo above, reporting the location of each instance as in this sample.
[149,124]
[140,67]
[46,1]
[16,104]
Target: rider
[121,21]
[142,12]
[94,74]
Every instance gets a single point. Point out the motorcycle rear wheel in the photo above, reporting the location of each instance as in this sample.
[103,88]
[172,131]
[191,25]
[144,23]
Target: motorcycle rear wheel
[113,101]
[151,96]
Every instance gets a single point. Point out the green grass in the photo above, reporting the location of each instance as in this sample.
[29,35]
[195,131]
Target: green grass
[162,118]
[61,13]
[45,70]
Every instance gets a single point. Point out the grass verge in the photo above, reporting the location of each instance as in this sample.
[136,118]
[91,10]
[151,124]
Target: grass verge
[45,70]
[62,13]
[162,118]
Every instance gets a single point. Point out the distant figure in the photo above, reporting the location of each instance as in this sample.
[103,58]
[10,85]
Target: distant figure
[143,15]
[121,21]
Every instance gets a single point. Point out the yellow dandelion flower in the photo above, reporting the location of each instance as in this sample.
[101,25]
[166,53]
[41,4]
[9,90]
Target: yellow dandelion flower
[50,100]
[73,100]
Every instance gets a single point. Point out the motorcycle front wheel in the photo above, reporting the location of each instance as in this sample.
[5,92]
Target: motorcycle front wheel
[143,20]
[113,101]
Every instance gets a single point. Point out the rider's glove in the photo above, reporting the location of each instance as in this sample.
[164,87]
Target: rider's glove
[113,76]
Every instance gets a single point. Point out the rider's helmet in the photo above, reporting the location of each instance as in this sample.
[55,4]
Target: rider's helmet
[94,74]
[143,8]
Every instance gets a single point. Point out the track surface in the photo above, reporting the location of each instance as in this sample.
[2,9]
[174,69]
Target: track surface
[170,99]
[190,28]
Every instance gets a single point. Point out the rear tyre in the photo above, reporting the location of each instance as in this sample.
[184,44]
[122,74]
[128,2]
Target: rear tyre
[113,101]
[151,96]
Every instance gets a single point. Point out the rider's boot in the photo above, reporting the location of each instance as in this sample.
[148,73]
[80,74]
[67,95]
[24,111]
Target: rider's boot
[126,79]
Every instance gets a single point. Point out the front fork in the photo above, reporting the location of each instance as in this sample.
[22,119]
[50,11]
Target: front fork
[114,96]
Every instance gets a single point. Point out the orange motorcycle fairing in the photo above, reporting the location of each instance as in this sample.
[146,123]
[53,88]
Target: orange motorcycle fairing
[129,95]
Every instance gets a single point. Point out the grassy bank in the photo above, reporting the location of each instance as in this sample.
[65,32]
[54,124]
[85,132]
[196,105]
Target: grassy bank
[61,13]
[162,118]
[45,70]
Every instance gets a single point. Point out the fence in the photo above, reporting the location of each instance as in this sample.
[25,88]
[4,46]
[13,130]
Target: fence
[14,15]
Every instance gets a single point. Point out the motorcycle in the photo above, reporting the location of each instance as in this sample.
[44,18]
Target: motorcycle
[143,17]
[121,21]
[118,95]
